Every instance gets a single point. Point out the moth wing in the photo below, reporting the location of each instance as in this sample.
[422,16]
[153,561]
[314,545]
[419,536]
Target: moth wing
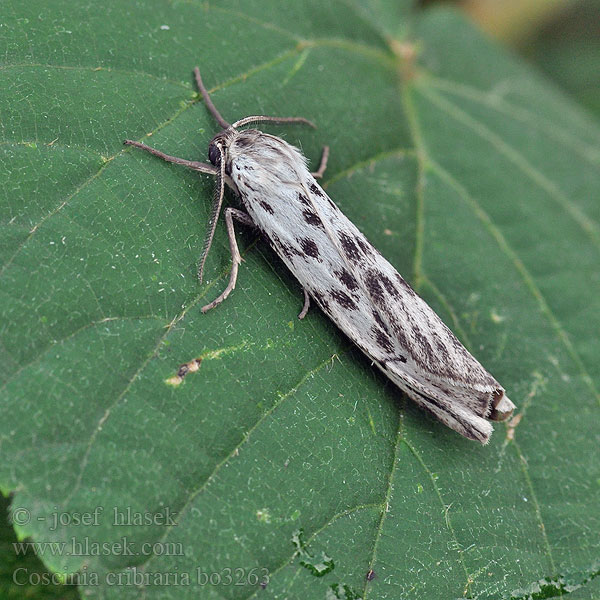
[410,343]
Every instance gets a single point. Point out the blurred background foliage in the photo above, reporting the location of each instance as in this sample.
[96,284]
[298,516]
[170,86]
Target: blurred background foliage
[560,37]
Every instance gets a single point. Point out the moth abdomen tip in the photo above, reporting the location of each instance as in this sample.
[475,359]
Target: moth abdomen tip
[502,407]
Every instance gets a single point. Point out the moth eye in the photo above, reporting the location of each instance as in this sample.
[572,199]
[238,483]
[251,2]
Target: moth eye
[214,155]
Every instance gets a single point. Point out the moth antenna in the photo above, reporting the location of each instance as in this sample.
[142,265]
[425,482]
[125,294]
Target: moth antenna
[257,118]
[209,103]
[216,209]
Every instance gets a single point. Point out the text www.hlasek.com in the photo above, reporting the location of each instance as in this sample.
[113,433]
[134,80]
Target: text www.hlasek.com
[85,547]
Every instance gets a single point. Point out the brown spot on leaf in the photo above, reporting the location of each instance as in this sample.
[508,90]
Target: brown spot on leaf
[184,369]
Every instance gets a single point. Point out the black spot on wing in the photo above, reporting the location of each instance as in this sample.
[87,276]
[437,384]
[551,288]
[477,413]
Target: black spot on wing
[362,243]
[382,339]
[343,299]
[346,278]
[320,300]
[312,218]
[267,207]
[425,350]
[397,329]
[304,199]
[349,246]
[289,251]
[396,323]
[309,247]
[399,358]
[283,248]
[315,189]
[373,283]
[394,328]
[378,318]
[389,286]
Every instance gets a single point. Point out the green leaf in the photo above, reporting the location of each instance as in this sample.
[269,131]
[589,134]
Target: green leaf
[474,176]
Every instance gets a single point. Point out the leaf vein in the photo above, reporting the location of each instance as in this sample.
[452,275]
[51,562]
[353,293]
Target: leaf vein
[587,224]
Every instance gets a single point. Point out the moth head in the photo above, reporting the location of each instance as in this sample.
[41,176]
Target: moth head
[219,144]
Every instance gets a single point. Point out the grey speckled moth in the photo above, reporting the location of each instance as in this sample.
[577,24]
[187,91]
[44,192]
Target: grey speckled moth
[343,273]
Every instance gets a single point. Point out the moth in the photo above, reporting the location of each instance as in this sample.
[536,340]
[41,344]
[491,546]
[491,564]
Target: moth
[341,271]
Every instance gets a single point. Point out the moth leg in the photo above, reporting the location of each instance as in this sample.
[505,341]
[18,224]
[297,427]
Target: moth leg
[306,305]
[236,259]
[190,164]
[323,163]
